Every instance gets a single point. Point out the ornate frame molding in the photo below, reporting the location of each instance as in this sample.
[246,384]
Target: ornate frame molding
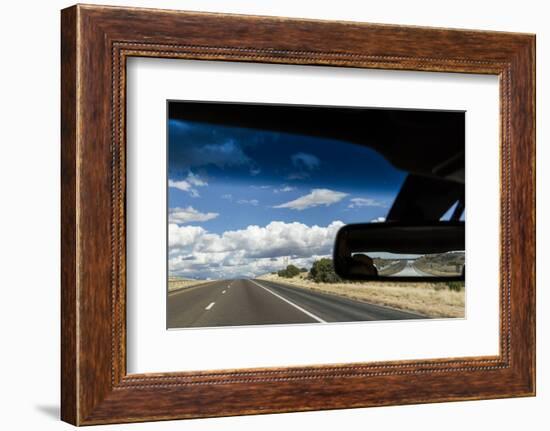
[96,41]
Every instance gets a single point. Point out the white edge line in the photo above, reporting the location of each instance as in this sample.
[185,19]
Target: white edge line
[210,306]
[290,303]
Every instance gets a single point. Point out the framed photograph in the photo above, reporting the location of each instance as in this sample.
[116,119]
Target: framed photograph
[268,215]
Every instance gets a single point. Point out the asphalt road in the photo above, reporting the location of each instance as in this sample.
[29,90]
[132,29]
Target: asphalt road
[411,271]
[260,302]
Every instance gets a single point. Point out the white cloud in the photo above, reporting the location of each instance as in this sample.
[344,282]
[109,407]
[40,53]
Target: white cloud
[365,202]
[183,236]
[189,184]
[247,252]
[284,189]
[378,220]
[195,180]
[227,196]
[180,185]
[315,198]
[189,214]
[248,202]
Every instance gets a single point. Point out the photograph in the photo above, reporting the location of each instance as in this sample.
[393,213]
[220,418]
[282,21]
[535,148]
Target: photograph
[282,214]
[303,214]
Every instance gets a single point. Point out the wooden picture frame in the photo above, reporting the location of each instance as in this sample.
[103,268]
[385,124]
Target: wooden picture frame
[95,43]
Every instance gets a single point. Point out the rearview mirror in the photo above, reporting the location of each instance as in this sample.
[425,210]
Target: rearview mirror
[395,250]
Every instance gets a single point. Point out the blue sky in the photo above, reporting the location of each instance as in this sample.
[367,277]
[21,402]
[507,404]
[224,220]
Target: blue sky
[230,184]
[247,174]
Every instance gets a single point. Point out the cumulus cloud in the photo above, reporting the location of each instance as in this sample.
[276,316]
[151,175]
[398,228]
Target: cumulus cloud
[249,252]
[315,198]
[365,202]
[183,236]
[189,184]
[189,214]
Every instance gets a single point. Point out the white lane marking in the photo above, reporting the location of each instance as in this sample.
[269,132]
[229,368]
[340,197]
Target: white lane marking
[223,292]
[290,303]
[210,306]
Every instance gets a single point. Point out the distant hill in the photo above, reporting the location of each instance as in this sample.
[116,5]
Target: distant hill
[450,263]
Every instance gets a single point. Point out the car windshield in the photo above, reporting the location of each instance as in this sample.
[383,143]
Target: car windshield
[251,187]
[270,201]
[289,192]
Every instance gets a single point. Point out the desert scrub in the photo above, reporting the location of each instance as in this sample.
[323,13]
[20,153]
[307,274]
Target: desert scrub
[456,286]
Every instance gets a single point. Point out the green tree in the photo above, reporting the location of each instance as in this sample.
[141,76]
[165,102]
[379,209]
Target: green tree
[322,271]
[289,272]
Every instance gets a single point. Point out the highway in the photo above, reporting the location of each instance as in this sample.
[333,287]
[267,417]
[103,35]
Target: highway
[411,271]
[259,302]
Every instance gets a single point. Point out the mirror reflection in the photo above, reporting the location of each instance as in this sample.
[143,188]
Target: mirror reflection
[398,250]
[383,264]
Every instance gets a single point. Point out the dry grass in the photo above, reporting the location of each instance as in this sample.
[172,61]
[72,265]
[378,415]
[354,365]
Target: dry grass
[429,299]
[176,283]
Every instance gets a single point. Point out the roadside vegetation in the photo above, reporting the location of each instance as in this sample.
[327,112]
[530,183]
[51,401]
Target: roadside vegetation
[322,271]
[432,299]
[289,272]
[442,264]
[177,283]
